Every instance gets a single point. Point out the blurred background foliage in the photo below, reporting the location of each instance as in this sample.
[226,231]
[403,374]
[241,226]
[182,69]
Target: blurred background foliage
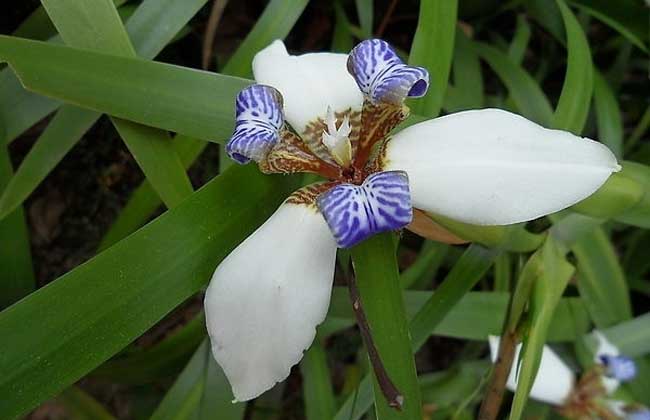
[123,335]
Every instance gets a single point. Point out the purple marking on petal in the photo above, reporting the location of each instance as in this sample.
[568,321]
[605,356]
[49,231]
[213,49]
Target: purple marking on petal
[621,368]
[257,124]
[382,76]
[640,414]
[356,212]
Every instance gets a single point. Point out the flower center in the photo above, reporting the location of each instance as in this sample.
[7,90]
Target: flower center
[337,140]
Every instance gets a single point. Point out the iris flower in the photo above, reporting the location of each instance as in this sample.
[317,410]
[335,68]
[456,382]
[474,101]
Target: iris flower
[332,115]
[556,383]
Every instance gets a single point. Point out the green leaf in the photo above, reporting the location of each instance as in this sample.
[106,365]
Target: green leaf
[81,406]
[144,200]
[173,98]
[61,134]
[466,273]
[608,115]
[529,98]
[375,268]
[365,11]
[621,192]
[632,336]
[519,44]
[15,255]
[317,385]
[548,287]
[278,19]
[134,284]
[573,107]
[160,360]
[200,392]
[468,80]
[432,48]
[97,26]
[601,280]
[475,316]
[629,17]
[342,38]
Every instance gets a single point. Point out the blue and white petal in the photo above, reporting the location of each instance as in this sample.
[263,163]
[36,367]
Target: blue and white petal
[607,350]
[493,167]
[382,76]
[640,414]
[257,125]
[621,368]
[264,301]
[356,212]
[309,83]
[554,381]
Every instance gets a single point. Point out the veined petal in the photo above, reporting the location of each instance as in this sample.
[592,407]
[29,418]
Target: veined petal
[554,381]
[309,83]
[493,167]
[267,297]
[382,76]
[258,122]
[356,212]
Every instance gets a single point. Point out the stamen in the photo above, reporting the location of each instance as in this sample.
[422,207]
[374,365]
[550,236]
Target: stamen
[337,140]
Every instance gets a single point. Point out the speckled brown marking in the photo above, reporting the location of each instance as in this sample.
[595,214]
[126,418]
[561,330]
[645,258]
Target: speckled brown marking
[290,155]
[313,134]
[377,121]
[308,195]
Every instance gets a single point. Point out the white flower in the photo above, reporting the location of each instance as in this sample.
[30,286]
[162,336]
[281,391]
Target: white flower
[484,167]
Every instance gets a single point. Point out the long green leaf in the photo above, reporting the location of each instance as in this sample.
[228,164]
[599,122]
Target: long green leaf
[152,25]
[466,272]
[608,115]
[97,26]
[365,11]
[375,268]
[573,107]
[547,291]
[178,99]
[277,20]
[16,273]
[468,80]
[95,310]
[432,48]
[601,280]
[81,406]
[65,129]
[529,98]
[629,17]
[475,316]
[317,385]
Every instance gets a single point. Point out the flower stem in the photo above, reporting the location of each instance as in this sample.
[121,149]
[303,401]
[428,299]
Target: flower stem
[496,387]
[388,388]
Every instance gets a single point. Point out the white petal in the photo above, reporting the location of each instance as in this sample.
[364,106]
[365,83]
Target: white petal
[554,381]
[309,83]
[493,167]
[267,297]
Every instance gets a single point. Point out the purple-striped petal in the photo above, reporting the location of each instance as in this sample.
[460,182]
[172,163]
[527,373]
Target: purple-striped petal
[621,368]
[356,212]
[258,121]
[382,76]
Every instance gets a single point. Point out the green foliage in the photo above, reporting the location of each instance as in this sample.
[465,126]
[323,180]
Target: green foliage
[553,280]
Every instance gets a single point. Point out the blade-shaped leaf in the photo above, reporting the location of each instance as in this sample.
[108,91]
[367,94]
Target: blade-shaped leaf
[134,284]
[97,26]
[573,107]
[433,48]
[375,268]
[277,20]
[183,100]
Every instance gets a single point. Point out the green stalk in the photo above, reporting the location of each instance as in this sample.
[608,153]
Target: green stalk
[380,305]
